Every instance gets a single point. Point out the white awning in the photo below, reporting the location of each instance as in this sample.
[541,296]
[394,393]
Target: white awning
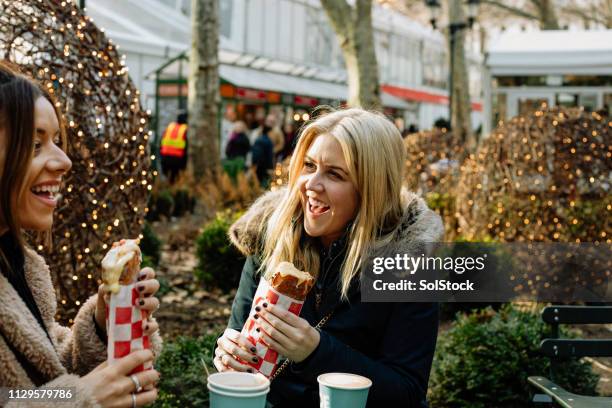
[555,52]
[271,81]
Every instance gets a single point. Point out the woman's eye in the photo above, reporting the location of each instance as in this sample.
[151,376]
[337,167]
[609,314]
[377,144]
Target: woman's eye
[335,175]
[309,166]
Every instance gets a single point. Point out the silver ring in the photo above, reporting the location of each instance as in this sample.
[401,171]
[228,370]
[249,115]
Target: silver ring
[136,383]
[133,400]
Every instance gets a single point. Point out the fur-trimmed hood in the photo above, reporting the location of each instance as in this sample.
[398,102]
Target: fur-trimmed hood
[419,225]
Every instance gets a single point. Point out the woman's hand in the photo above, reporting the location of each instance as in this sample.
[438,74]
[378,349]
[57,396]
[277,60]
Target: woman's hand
[147,286]
[111,385]
[290,335]
[233,345]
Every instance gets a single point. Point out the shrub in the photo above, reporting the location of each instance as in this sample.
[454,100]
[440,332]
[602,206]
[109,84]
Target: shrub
[184,202]
[150,245]
[164,204]
[433,160]
[161,204]
[541,177]
[485,358]
[183,378]
[220,263]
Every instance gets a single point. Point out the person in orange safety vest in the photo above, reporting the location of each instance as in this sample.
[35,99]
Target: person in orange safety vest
[173,148]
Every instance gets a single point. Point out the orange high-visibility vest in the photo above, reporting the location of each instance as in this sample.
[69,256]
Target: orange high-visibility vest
[174,141]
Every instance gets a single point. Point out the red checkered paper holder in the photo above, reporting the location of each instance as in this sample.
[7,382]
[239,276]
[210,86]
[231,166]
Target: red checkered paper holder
[268,358]
[125,325]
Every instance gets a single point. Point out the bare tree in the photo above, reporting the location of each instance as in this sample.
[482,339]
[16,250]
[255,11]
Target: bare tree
[353,28]
[204,88]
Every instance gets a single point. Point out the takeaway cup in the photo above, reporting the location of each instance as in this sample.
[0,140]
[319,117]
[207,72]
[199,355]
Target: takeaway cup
[238,390]
[343,390]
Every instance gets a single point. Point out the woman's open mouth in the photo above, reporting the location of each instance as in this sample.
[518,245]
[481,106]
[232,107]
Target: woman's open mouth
[316,207]
[48,194]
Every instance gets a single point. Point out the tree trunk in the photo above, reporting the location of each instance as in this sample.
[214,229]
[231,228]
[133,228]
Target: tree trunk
[547,14]
[204,89]
[353,28]
[460,92]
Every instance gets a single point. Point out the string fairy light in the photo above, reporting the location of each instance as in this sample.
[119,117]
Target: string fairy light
[100,106]
[552,167]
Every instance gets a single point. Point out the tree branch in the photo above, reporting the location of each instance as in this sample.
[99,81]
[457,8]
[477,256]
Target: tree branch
[510,9]
[586,16]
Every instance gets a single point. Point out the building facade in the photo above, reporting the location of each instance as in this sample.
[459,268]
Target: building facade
[282,55]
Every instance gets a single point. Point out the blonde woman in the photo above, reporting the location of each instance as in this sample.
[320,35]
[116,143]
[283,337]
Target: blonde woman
[344,204]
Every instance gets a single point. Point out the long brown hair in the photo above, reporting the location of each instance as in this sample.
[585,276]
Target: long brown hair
[18,95]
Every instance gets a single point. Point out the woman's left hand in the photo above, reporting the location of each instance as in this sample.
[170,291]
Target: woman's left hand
[290,335]
[147,286]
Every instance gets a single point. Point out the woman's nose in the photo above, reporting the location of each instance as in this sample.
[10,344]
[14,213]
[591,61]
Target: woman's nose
[59,162]
[314,182]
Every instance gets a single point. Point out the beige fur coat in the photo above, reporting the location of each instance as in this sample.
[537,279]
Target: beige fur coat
[74,352]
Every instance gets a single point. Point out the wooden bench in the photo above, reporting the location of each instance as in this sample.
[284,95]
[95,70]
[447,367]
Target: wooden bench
[558,349]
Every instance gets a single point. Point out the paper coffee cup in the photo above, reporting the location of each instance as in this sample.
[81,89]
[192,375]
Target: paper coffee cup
[343,390]
[238,390]
[238,382]
[228,399]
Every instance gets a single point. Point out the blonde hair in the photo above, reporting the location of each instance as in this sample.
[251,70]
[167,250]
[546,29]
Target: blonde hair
[374,153]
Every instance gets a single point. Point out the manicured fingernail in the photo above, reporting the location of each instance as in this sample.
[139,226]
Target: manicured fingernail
[265,305]
[255,359]
[140,288]
[256,316]
[257,308]
[141,302]
[253,349]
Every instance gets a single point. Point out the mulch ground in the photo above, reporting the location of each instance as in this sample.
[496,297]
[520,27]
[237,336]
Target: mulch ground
[187,307]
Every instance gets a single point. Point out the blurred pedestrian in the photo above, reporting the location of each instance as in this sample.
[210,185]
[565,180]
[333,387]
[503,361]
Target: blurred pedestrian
[227,127]
[275,134]
[262,161]
[238,145]
[290,133]
[173,149]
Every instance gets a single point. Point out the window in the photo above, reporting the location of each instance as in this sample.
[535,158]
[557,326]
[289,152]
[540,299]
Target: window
[226,8]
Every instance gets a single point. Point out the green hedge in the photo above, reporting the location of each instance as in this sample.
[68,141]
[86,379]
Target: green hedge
[220,263]
[183,378]
[161,204]
[485,358]
[150,245]
[184,202]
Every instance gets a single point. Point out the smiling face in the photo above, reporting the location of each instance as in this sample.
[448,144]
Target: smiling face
[328,196]
[39,196]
